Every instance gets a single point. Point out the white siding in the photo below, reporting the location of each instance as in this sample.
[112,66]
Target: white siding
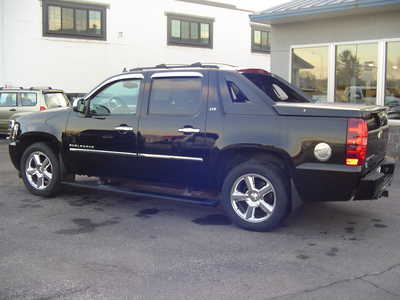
[1,41]
[78,65]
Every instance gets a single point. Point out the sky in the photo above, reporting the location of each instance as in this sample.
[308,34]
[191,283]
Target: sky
[256,5]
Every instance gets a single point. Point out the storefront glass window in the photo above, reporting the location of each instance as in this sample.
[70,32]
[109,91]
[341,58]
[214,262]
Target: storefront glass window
[356,73]
[310,71]
[392,92]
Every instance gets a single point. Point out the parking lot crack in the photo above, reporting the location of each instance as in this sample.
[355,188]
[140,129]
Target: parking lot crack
[360,277]
[380,288]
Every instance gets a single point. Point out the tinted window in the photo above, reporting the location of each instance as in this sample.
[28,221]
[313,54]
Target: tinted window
[8,99]
[175,96]
[55,100]
[28,99]
[277,89]
[118,98]
[237,95]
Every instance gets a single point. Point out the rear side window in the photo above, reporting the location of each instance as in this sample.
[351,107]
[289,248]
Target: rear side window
[275,88]
[175,96]
[54,100]
[8,99]
[279,93]
[28,99]
[237,95]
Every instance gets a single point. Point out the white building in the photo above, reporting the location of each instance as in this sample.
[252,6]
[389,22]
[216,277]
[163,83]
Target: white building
[73,45]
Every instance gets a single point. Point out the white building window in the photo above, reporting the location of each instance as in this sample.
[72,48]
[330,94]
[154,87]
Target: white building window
[190,31]
[74,20]
[260,39]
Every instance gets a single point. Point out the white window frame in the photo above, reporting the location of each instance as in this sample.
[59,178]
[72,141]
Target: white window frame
[381,68]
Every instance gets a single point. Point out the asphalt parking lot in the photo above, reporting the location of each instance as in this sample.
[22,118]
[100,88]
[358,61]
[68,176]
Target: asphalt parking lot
[94,245]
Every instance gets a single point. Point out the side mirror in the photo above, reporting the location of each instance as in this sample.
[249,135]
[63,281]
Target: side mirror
[79,105]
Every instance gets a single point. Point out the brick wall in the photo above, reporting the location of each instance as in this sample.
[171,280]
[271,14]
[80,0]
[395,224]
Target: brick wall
[394,140]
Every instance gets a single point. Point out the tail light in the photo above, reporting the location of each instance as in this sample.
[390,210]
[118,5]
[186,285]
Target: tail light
[42,107]
[357,140]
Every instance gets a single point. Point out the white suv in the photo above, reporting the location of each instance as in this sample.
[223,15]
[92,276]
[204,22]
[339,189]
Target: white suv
[19,100]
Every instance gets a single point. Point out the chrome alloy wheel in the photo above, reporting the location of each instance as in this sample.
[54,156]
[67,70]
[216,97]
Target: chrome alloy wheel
[253,198]
[39,170]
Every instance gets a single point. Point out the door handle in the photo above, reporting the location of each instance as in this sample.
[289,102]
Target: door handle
[124,128]
[13,109]
[189,130]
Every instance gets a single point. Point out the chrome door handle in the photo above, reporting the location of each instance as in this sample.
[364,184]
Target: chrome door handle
[189,130]
[124,128]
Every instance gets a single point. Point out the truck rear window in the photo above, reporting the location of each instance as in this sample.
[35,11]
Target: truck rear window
[54,100]
[276,88]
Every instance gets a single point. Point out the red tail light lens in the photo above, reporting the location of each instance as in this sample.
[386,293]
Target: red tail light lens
[42,108]
[357,140]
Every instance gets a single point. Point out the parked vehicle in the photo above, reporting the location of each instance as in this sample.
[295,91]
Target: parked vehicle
[248,136]
[360,94]
[14,101]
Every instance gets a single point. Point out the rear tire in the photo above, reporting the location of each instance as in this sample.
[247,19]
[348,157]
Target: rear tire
[255,196]
[40,170]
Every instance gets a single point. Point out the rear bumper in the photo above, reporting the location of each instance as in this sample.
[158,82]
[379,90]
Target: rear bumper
[331,182]
[375,184]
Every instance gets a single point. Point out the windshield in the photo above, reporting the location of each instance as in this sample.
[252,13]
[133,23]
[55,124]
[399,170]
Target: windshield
[277,88]
[54,100]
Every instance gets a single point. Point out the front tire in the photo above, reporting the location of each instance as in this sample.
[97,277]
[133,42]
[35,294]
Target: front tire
[255,196]
[40,170]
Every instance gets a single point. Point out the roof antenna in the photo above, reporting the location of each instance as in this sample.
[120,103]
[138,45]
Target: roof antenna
[124,70]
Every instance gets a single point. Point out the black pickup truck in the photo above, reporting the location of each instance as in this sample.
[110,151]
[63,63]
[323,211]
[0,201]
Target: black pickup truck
[245,138]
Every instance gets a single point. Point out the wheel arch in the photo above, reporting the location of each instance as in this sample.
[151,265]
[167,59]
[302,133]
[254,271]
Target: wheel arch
[236,154]
[30,138]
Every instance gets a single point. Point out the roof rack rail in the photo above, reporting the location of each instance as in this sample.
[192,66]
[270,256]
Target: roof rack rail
[178,66]
[40,88]
[11,88]
[221,64]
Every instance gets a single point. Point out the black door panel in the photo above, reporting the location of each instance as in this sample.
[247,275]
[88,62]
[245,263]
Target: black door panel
[172,147]
[103,141]
[95,146]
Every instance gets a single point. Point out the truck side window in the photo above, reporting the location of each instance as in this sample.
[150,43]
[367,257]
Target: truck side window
[119,98]
[175,96]
[237,95]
